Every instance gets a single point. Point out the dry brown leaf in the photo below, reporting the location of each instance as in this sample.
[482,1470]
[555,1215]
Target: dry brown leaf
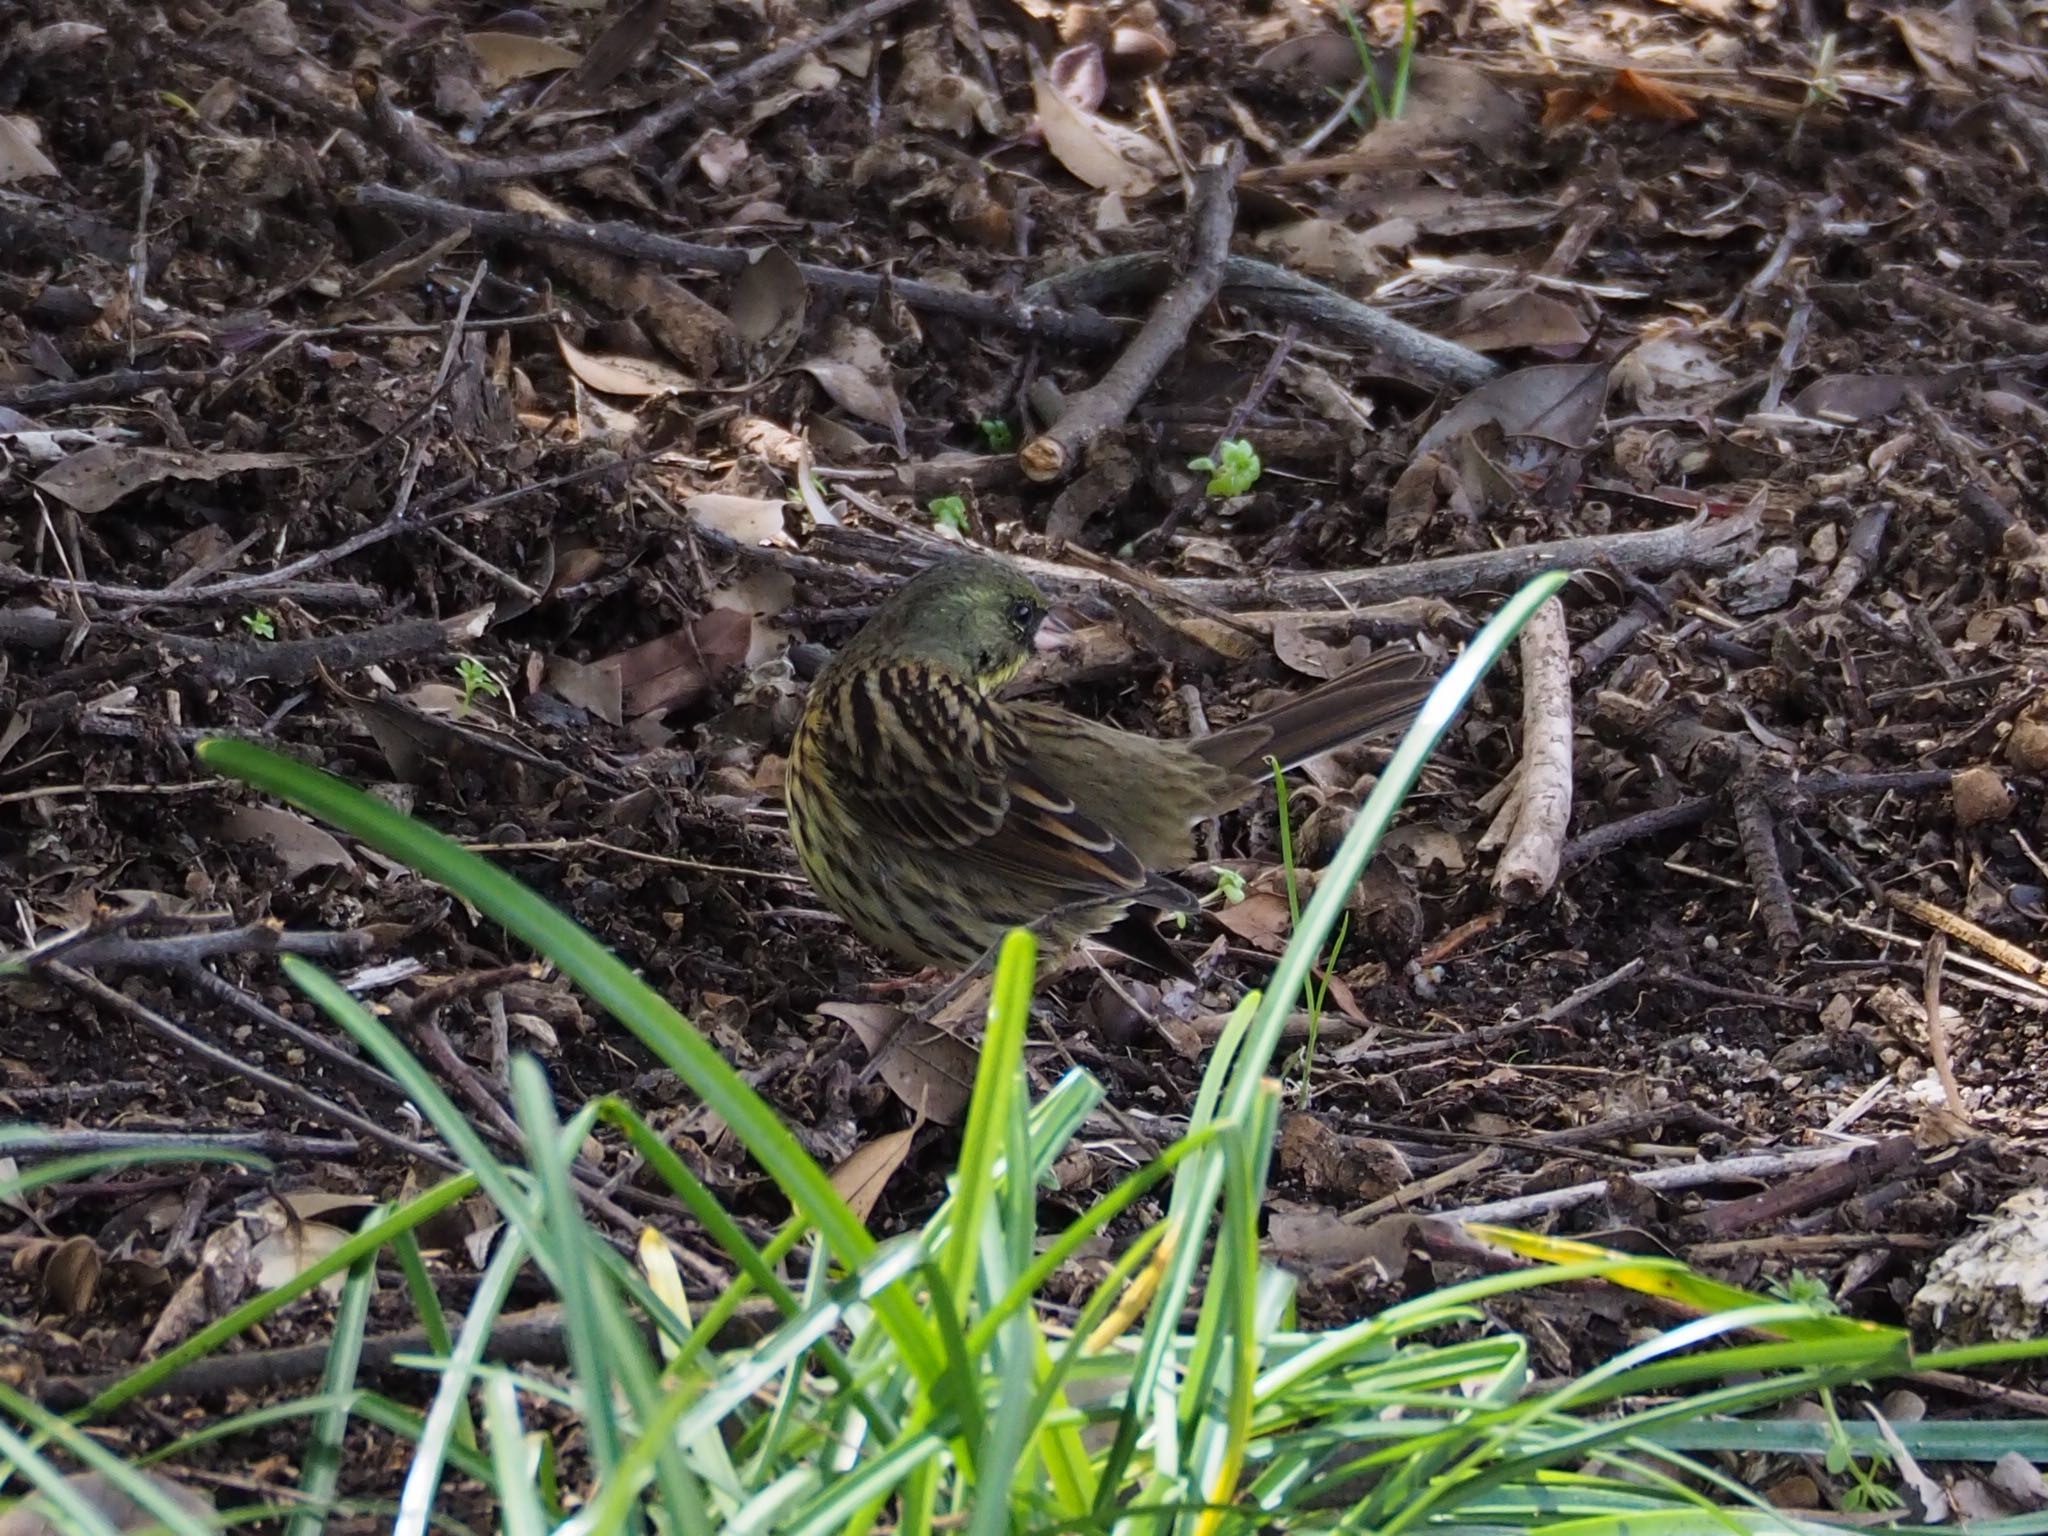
[596,688]
[35,1516]
[1557,402]
[1450,105]
[1516,321]
[1855,397]
[21,154]
[751,520]
[71,1277]
[617,375]
[94,480]
[291,1249]
[680,667]
[507,56]
[861,1179]
[1103,154]
[300,846]
[1629,95]
[929,1069]
[1262,920]
[768,304]
[1672,366]
[1333,249]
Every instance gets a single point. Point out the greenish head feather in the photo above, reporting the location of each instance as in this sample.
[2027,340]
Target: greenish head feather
[972,616]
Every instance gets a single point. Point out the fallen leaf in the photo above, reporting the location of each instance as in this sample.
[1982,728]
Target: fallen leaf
[929,1069]
[94,480]
[508,56]
[861,1179]
[1450,105]
[680,667]
[768,304]
[1105,155]
[1856,397]
[618,375]
[744,519]
[1331,248]
[1079,74]
[1557,402]
[288,1251]
[597,687]
[1669,366]
[1516,321]
[37,1516]
[1262,920]
[1630,94]
[300,846]
[21,155]
[71,1277]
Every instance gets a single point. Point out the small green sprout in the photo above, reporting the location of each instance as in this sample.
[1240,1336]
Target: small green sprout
[949,512]
[1236,472]
[476,679]
[1230,886]
[1000,436]
[260,623]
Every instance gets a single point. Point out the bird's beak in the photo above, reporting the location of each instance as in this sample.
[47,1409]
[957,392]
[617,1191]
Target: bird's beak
[1056,628]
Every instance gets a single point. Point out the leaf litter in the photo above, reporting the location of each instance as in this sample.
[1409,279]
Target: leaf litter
[1726,264]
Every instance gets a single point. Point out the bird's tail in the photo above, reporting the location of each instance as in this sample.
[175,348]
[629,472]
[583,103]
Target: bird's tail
[1375,699]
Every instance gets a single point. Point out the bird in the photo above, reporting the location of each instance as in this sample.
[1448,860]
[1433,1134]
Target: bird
[933,815]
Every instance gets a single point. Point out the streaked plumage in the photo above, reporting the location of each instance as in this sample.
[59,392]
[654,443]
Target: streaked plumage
[934,816]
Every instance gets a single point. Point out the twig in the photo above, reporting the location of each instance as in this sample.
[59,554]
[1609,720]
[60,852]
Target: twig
[1756,831]
[1075,328]
[684,106]
[1259,285]
[184,1040]
[282,579]
[101,388]
[1994,323]
[89,946]
[1699,544]
[537,1337]
[398,134]
[1937,1031]
[1107,404]
[1528,868]
[1859,557]
[1650,605]
[1493,1034]
[1985,942]
[32,1142]
[1768,1165]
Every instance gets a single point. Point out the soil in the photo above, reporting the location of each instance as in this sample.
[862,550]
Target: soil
[548,574]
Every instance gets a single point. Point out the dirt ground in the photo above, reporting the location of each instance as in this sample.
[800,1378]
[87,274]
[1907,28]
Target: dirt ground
[542,541]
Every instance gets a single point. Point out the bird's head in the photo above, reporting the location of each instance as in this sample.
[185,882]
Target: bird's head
[971,616]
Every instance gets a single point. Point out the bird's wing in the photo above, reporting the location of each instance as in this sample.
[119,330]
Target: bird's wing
[932,761]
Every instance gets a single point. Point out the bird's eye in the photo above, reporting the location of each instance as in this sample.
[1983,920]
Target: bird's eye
[1024,614]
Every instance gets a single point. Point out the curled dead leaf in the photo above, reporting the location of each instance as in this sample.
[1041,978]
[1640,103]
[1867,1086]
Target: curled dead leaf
[507,56]
[1103,154]
[641,377]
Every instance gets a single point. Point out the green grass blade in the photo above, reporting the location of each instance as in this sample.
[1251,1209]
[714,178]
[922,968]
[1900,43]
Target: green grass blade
[606,980]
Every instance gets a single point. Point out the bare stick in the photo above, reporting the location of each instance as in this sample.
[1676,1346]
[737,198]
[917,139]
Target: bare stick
[1328,315]
[1109,402]
[184,1040]
[1699,543]
[619,239]
[1535,852]
[619,146]
[1769,1165]
[1937,1031]
[1756,829]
